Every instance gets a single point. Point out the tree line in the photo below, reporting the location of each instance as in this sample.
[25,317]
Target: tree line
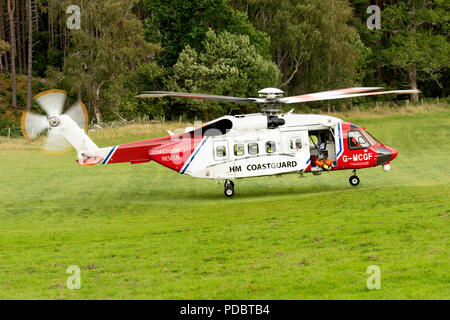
[225,47]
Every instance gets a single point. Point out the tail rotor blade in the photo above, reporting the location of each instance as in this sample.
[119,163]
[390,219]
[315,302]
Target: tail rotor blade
[52,101]
[63,130]
[79,114]
[33,125]
[56,143]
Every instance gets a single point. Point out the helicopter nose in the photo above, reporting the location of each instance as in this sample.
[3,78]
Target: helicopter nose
[394,153]
[386,154]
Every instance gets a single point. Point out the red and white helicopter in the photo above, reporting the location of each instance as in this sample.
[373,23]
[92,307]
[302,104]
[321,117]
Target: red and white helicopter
[230,147]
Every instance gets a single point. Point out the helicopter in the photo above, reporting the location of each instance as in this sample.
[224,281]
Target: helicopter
[231,147]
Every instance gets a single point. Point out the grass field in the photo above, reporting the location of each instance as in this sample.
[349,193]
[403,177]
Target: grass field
[145,232]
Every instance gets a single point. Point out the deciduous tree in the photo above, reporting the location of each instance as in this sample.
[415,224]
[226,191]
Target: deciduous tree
[313,43]
[418,46]
[228,65]
[178,23]
[30,52]
[12,38]
[109,41]
[4,48]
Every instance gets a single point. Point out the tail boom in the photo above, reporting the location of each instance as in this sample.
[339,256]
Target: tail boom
[173,152]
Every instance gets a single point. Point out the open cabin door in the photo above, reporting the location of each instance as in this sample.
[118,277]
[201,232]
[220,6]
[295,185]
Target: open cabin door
[325,144]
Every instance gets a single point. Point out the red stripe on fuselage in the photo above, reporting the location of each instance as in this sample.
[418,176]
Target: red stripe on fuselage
[172,151]
[175,154]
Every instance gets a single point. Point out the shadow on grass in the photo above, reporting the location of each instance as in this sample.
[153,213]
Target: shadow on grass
[216,193]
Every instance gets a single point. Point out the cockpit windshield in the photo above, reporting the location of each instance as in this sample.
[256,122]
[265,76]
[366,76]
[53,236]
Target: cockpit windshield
[369,137]
[360,138]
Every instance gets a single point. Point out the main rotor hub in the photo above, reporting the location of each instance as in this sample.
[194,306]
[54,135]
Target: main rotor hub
[271,109]
[271,93]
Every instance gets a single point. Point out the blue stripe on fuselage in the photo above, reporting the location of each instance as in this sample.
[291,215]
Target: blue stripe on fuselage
[195,153]
[109,155]
[340,140]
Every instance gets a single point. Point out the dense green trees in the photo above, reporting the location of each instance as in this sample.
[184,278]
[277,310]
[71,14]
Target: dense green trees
[4,48]
[30,54]
[416,47]
[412,47]
[228,65]
[313,43]
[104,52]
[11,5]
[229,47]
[336,61]
[178,23]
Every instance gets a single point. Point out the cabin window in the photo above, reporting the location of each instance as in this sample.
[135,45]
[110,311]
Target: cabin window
[221,151]
[356,140]
[271,147]
[313,139]
[253,148]
[238,149]
[296,144]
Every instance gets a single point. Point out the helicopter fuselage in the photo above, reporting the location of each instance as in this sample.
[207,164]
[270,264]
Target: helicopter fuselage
[230,147]
[245,146]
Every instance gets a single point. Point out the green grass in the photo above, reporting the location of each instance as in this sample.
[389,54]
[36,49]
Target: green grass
[145,232]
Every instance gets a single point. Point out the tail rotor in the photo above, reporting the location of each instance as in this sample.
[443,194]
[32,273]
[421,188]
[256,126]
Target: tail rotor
[52,103]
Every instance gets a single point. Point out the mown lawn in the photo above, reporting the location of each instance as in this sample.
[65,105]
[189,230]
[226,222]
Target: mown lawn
[145,232]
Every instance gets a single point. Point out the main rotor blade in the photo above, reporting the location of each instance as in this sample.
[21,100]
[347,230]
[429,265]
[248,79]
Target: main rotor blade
[346,96]
[52,101]
[325,95]
[79,114]
[33,125]
[56,143]
[161,94]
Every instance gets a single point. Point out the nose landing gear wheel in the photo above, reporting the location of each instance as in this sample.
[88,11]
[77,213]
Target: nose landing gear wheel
[354,180]
[229,188]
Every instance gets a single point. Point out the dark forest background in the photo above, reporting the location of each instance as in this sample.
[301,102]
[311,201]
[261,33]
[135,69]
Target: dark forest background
[226,47]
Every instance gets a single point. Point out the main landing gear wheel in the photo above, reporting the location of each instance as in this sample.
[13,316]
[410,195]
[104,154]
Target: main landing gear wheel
[354,180]
[229,188]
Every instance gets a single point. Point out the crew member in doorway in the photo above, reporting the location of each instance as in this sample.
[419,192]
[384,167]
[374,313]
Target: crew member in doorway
[323,162]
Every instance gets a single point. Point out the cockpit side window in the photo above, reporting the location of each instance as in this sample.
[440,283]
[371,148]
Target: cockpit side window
[221,151]
[356,140]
